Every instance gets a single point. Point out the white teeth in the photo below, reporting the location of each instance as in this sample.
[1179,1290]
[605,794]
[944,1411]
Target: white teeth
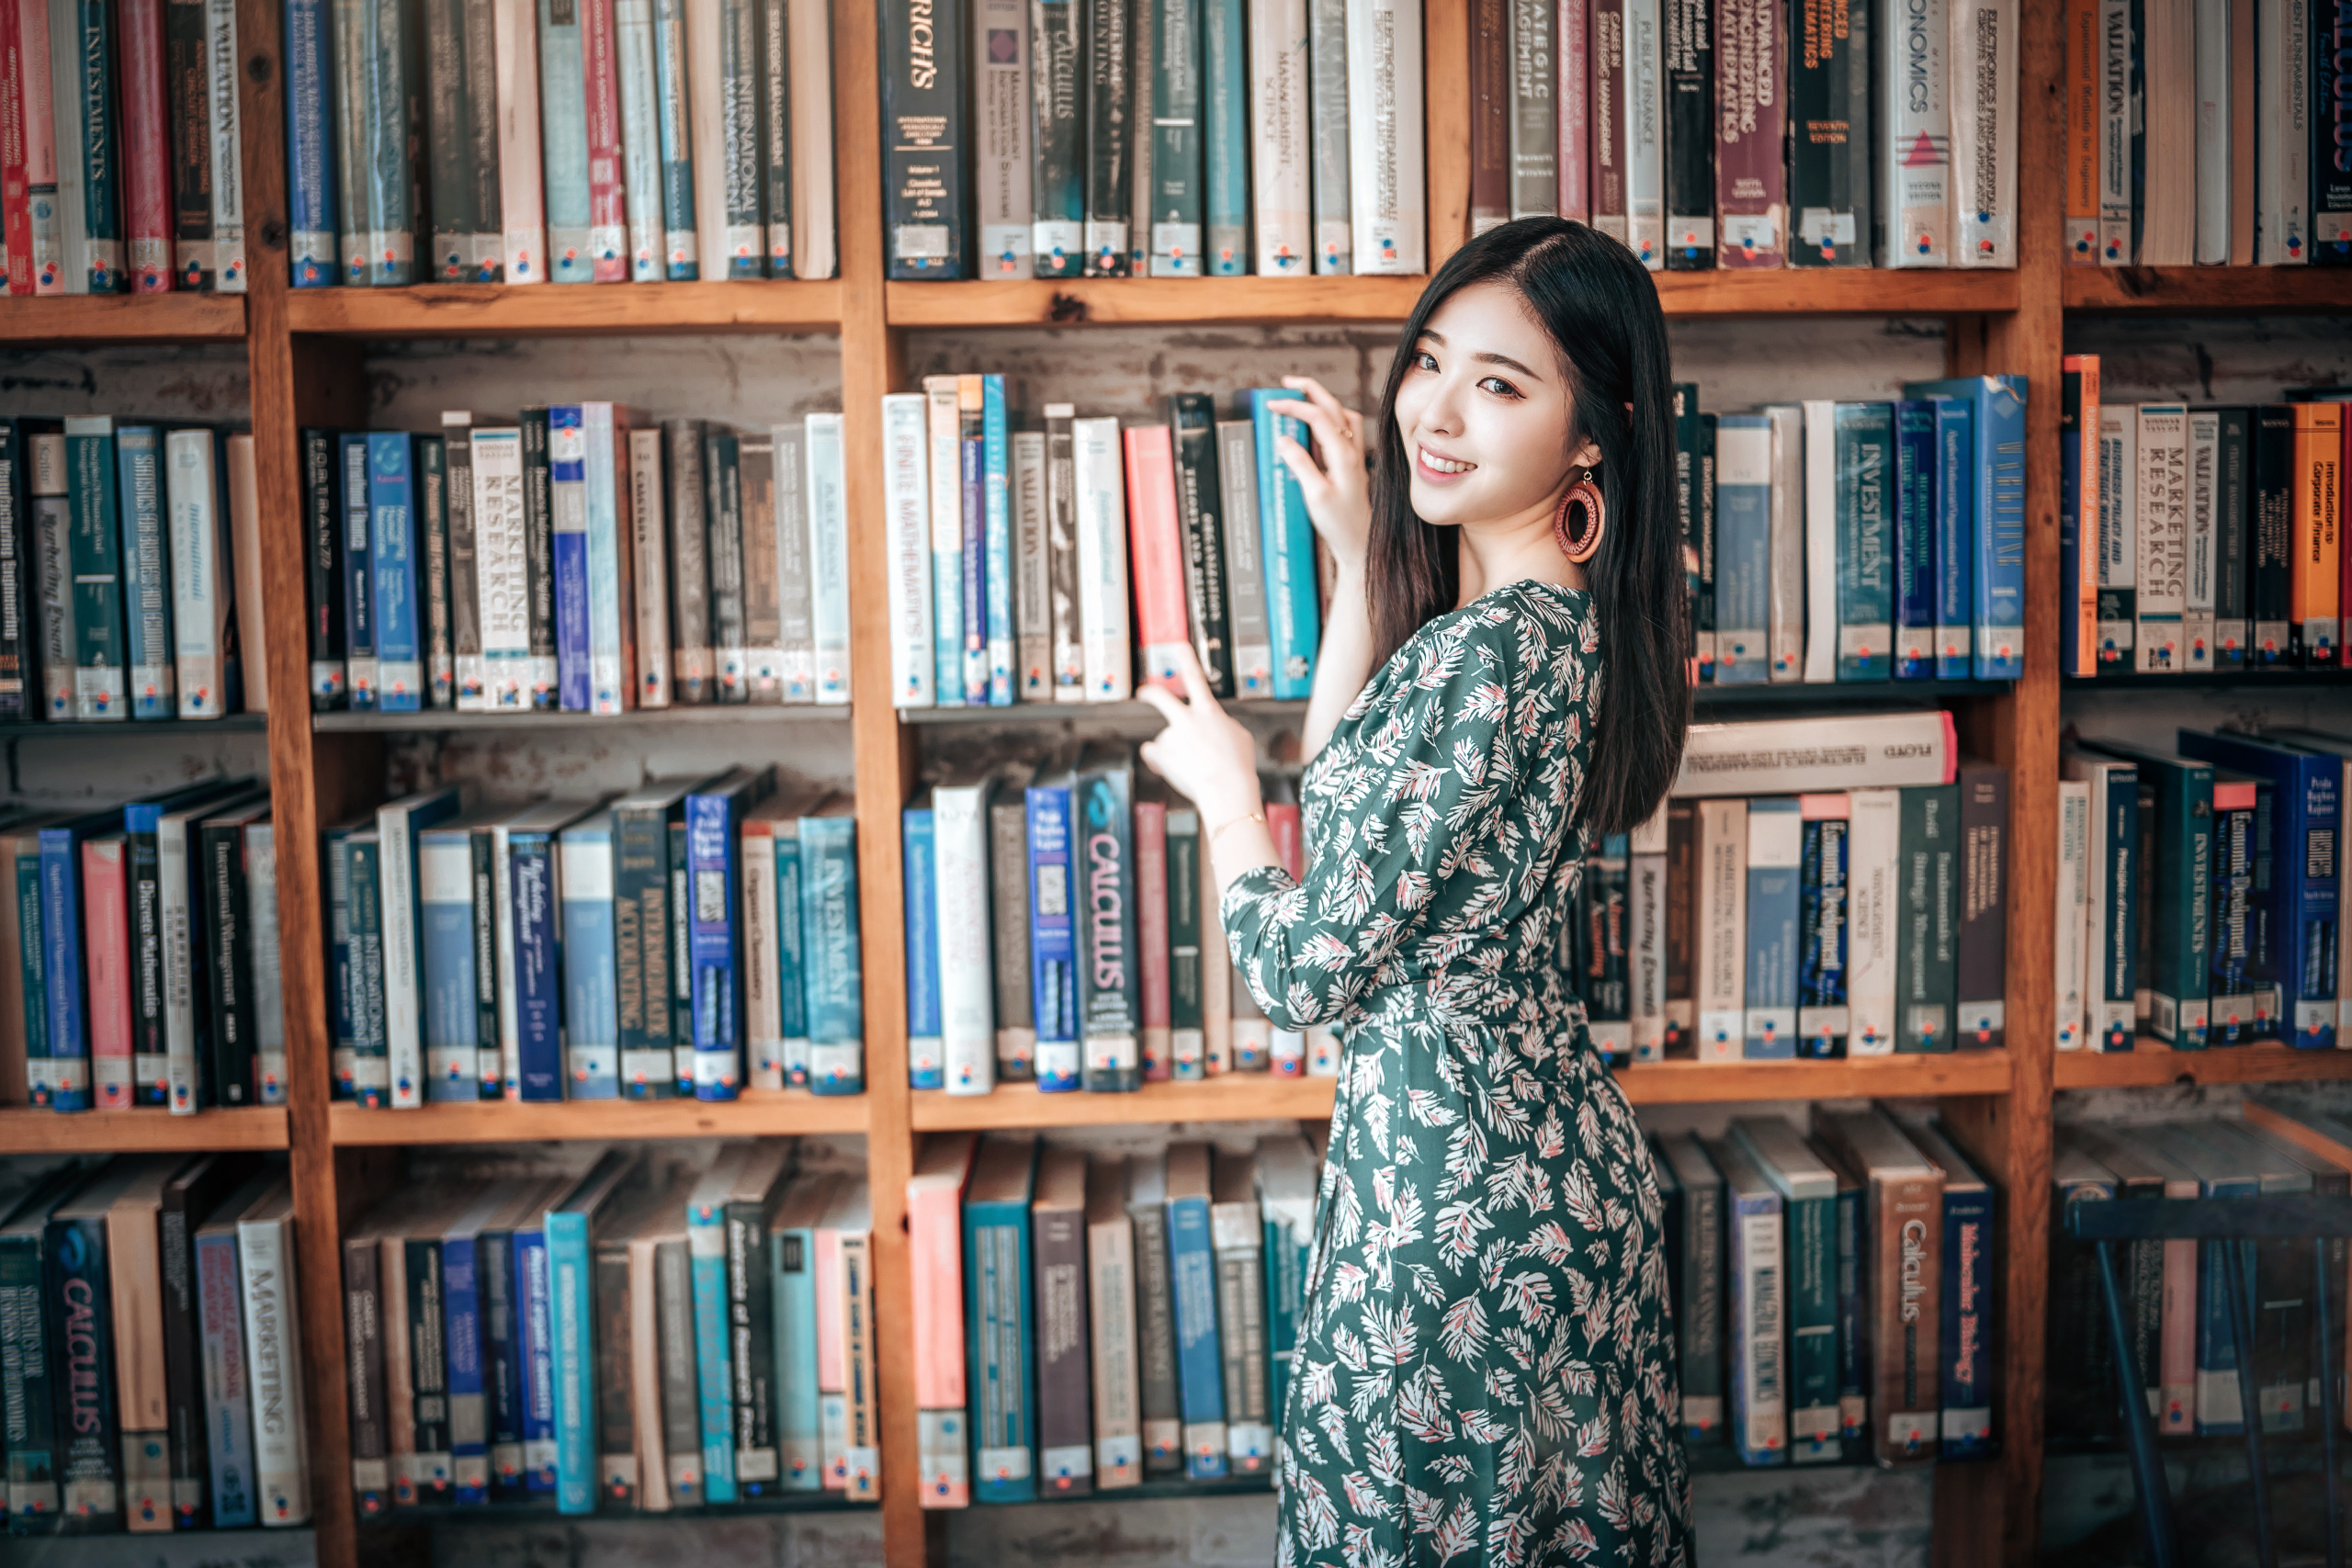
[1438,465]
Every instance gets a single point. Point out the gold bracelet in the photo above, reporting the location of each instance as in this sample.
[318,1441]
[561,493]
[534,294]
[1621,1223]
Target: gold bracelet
[1217,833]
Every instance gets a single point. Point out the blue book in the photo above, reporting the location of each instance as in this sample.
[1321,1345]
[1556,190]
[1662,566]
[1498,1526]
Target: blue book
[714,1366]
[461,1339]
[228,1405]
[446,929]
[1293,615]
[1000,1381]
[995,504]
[336,851]
[1955,539]
[1996,464]
[830,950]
[571,1299]
[791,956]
[2306,830]
[534,1350]
[2073,658]
[926,1057]
[500,1291]
[568,501]
[715,948]
[2233,1015]
[146,571]
[310,145]
[1775,861]
[1053,940]
[372,1076]
[1913,537]
[358,571]
[1224,136]
[592,1029]
[403,927]
[536,915]
[392,540]
[563,143]
[1742,550]
[1192,1284]
[32,959]
[1821,927]
[1969,1332]
[792,1253]
[1757,1324]
[1865,502]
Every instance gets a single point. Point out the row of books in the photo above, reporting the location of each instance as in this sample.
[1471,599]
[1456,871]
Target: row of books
[640,1339]
[1160,137]
[122,168]
[153,1365]
[130,570]
[146,941]
[1761,135]
[2201,540]
[2201,899]
[2176,1296]
[2205,131]
[576,559]
[640,947]
[597,142]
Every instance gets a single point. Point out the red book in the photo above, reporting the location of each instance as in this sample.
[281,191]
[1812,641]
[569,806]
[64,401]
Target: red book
[1489,114]
[1751,112]
[1151,933]
[41,239]
[608,194]
[1605,91]
[188,88]
[1287,1047]
[15,209]
[105,961]
[1575,110]
[146,147]
[1155,552]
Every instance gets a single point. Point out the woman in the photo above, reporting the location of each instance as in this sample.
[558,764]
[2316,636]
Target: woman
[1485,1370]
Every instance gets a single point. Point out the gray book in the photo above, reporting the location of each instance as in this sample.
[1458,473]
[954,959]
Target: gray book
[465,592]
[1163,1421]
[690,646]
[1238,1235]
[1061,548]
[756,486]
[1016,1028]
[795,606]
[1699,1302]
[1326,134]
[1245,570]
[1534,125]
[1065,1361]
[1032,569]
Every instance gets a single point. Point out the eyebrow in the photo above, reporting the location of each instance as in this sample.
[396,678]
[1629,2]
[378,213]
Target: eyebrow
[1439,338]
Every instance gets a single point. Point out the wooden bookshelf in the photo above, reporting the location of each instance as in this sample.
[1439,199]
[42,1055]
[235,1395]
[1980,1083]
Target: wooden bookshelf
[2151,1062]
[2207,290]
[502,1122]
[148,1130]
[178,729]
[90,321]
[489,309]
[700,715]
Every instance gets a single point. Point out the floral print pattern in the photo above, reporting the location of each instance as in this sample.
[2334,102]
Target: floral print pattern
[1485,1372]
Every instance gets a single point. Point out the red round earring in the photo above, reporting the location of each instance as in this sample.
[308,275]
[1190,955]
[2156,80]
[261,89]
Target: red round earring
[1582,546]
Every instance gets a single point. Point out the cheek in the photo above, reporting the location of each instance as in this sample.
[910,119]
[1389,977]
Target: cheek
[1522,447]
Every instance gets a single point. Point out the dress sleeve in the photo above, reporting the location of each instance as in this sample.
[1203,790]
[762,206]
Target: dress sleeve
[1419,802]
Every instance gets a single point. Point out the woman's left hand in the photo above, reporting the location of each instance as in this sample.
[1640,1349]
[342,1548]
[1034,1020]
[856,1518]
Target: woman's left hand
[1205,753]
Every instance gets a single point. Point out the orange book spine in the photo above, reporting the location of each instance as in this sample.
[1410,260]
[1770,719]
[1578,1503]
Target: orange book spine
[2344,582]
[2084,367]
[2083,55]
[1156,552]
[2244,108]
[2317,509]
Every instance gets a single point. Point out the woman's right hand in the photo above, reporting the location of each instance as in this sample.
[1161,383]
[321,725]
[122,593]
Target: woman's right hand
[1337,490]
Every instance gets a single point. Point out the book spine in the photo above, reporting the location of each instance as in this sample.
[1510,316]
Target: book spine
[922,119]
[905,502]
[1822,921]
[1534,134]
[1033,568]
[445,905]
[2331,116]
[1151,930]
[470,689]
[612,587]
[1242,560]
[590,1030]
[681,260]
[1065,1428]
[1001,106]
[743,226]
[485,245]
[730,591]
[1913,105]
[430,510]
[521,209]
[1606,73]
[1056,186]
[2081,87]
[542,688]
[146,593]
[227,1456]
[1984,106]
[775,136]
[1950,551]
[2282,151]
[1200,515]
[1109,106]
[1282,209]
[503,582]
[826,506]
[2314,621]
[1162,1423]
[568,496]
[648,568]
[1187,952]
[107,958]
[2161,573]
[965,981]
[1111,1302]
[1644,130]
[1775,858]
[1225,184]
[707,1253]
[1693,125]
[188,102]
[1385,208]
[998,1317]
[1108,972]
[1982,938]
[1490,106]
[1865,588]
[451,211]
[1721,946]
[1927,954]
[1969,1338]
[640,143]
[1814,1423]
[750,1350]
[1286,547]
[1873,921]
[273,1352]
[94,550]
[1917,536]
[1193,1286]
[534,1072]
[562,92]
[1756,72]
[393,538]
[2270,585]
[2118,488]
[926,1052]
[268,978]
[572,1317]
[1829,144]
[1645,925]
[468,1411]
[2199,622]
[1700,1325]
[361,662]
[1573,84]
[534,1356]
[613,1442]
[1053,943]
[1157,551]
[1100,522]
[1759,1324]
[996,540]
[1238,1237]
[1742,550]
[1016,1031]
[145,145]
[718,973]
[18,591]
[831,955]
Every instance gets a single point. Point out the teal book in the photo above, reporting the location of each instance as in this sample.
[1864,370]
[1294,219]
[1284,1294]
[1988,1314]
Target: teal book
[393,143]
[1288,1174]
[146,576]
[681,260]
[563,142]
[1175,120]
[372,1075]
[1293,608]
[792,1256]
[2177,884]
[1058,141]
[1926,948]
[1808,1190]
[1865,511]
[998,1295]
[93,552]
[571,1227]
[1224,136]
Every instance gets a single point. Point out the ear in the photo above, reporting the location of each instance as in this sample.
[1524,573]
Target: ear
[1586,455]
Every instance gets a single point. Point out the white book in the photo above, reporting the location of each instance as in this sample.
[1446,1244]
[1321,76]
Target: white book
[2105,1021]
[1785,634]
[1759,1263]
[265,1262]
[1720,930]
[200,586]
[2197,624]
[649,566]
[2162,571]
[906,513]
[960,818]
[2283,216]
[269,969]
[2167,185]
[1874,866]
[641,139]
[501,585]
[796,646]
[2119,550]
[522,206]
[828,512]
[1388,214]
[762,963]
[1644,127]
[221,97]
[706,120]
[1820,540]
[2074,870]
[1032,571]
[183,945]
[1817,754]
[509,1068]
[2116,115]
[1000,112]
[1106,648]
[2213,65]
[396,830]
[54,573]
[945,408]
[1911,79]
[612,604]
[1985,42]
[445,875]
[1279,154]
[244,559]
[1111,1344]
[1323,1049]
[1646,941]
[815,249]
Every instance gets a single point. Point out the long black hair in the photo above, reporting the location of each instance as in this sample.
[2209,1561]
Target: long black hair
[1602,311]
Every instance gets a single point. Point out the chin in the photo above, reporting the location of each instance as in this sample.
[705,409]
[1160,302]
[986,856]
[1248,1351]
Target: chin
[1438,508]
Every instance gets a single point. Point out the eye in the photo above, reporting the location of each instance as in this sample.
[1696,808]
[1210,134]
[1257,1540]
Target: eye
[1424,360]
[1495,386]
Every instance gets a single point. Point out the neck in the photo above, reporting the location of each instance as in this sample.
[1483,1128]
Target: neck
[1494,554]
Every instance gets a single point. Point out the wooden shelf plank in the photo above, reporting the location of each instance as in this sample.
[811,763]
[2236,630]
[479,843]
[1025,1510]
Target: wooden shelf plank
[2207,290]
[1254,1097]
[87,320]
[435,720]
[25,1130]
[499,1122]
[2259,679]
[2154,1063]
[490,309]
[74,729]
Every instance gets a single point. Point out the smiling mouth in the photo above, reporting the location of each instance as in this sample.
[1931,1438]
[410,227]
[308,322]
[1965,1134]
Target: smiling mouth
[1438,465]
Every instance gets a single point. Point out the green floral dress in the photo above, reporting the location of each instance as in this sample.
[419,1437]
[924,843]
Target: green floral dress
[1485,1372]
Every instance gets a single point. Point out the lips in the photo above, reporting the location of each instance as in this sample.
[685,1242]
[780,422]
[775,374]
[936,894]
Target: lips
[1445,468]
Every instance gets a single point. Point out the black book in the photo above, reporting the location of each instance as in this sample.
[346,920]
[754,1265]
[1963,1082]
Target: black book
[17,612]
[2082,1402]
[189,1197]
[1056,182]
[1110,977]
[923,184]
[81,1338]
[1689,136]
[322,529]
[2232,542]
[142,876]
[432,491]
[186,63]
[1110,93]
[538,555]
[2270,589]
[1829,135]
[1192,420]
[722,480]
[428,1351]
[682,977]
[229,956]
[29,1369]
[1703,495]
[751,1318]
[1698,556]
[775,138]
